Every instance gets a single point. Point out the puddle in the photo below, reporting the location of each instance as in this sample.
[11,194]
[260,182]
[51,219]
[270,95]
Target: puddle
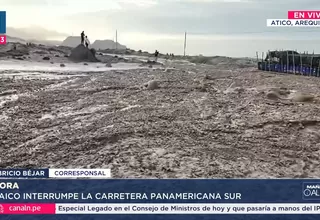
[130,107]
[47,116]
[87,110]
[38,75]
[70,67]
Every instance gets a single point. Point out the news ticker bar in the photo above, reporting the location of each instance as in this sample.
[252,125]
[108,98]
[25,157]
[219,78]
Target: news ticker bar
[172,208]
[55,173]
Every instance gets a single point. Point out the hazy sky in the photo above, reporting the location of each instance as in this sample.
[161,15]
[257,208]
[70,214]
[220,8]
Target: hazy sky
[146,24]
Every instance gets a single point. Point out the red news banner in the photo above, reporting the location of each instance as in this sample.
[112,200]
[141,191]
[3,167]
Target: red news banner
[3,39]
[27,208]
[304,15]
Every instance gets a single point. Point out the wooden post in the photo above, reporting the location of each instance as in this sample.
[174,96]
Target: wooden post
[269,60]
[313,56]
[311,65]
[185,44]
[282,69]
[300,64]
[257,54]
[287,61]
[318,68]
[293,63]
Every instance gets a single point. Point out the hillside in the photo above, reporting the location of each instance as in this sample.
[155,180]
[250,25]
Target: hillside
[107,44]
[24,41]
[73,41]
[15,39]
[34,32]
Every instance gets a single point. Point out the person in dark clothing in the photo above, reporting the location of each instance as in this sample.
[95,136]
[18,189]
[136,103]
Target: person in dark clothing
[156,55]
[87,42]
[82,37]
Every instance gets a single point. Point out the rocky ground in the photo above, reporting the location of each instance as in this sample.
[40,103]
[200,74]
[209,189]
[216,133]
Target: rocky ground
[192,121]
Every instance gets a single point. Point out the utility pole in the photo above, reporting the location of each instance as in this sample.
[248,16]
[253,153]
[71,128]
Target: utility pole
[116,39]
[185,43]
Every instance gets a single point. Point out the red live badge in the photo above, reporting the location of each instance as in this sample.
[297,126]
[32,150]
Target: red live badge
[3,39]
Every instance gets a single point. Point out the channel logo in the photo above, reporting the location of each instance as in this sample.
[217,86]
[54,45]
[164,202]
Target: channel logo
[3,39]
[311,191]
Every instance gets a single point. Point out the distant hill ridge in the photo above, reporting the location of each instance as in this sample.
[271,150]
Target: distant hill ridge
[73,41]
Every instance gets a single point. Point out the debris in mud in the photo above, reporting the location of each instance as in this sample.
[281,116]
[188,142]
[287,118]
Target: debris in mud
[281,91]
[82,53]
[46,58]
[235,90]
[273,95]
[85,64]
[8,92]
[151,62]
[151,85]
[18,58]
[62,65]
[278,93]
[108,65]
[301,97]
[56,55]
[202,88]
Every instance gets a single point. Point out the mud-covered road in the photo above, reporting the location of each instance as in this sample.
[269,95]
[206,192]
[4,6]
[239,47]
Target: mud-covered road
[202,122]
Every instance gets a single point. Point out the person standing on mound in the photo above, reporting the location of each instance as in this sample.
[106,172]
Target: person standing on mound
[82,37]
[87,42]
